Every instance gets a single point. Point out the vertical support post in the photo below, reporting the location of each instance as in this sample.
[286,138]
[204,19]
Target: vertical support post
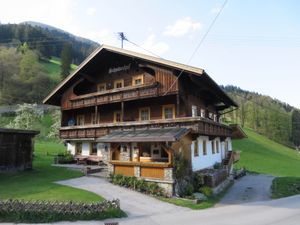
[96,114]
[177,105]
[122,111]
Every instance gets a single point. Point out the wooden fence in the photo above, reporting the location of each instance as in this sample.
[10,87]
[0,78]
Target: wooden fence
[62,208]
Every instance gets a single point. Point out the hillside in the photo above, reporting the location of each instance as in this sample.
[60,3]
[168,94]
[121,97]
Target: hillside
[262,155]
[266,115]
[47,40]
[52,68]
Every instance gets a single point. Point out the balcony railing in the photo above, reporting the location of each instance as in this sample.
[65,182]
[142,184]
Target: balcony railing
[198,125]
[114,95]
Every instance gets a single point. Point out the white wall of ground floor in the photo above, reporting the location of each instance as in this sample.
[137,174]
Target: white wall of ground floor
[205,159]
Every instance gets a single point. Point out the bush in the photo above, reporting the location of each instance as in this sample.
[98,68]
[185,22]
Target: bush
[189,190]
[64,158]
[207,191]
[198,180]
[217,166]
[140,185]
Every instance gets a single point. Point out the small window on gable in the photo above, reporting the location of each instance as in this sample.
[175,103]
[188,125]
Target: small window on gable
[196,149]
[204,147]
[137,80]
[101,87]
[80,120]
[194,111]
[168,111]
[119,83]
[117,116]
[144,114]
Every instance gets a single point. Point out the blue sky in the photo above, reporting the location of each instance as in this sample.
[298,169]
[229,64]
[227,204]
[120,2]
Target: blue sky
[254,44]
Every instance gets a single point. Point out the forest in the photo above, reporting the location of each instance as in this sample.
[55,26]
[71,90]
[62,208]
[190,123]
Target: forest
[268,116]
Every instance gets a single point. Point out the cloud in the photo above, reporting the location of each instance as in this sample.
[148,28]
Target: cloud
[158,47]
[91,11]
[182,27]
[150,45]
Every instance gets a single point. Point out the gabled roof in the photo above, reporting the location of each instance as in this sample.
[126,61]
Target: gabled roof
[149,135]
[152,59]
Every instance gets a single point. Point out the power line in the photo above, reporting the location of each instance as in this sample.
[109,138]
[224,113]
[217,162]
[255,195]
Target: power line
[144,49]
[199,44]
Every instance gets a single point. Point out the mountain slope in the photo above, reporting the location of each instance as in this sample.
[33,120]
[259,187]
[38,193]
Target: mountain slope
[262,155]
[48,41]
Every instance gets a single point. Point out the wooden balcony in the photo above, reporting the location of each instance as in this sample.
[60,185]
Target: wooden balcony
[198,125]
[111,96]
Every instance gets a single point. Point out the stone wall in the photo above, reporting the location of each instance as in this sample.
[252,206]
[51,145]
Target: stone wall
[125,153]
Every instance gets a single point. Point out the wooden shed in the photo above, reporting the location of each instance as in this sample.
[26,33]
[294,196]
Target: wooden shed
[16,149]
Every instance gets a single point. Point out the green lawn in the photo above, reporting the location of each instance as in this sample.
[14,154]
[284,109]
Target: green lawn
[260,154]
[285,186]
[37,184]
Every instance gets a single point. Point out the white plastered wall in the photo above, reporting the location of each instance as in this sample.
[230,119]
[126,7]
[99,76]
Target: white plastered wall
[71,147]
[204,161]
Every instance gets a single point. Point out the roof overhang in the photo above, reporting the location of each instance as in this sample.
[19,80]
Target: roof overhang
[149,135]
[124,52]
[237,132]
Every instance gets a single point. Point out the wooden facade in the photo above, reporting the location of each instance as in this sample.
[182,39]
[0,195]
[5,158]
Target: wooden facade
[16,149]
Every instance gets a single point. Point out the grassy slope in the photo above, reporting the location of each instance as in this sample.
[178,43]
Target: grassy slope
[52,68]
[260,154]
[38,183]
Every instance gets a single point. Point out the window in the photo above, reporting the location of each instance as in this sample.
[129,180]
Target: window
[78,148]
[144,114]
[119,83]
[202,113]
[137,80]
[93,148]
[101,87]
[117,116]
[194,111]
[218,146]
[204,147]
[95,118]
[80,120]
[215,118]
[210,115]
[213,148]
[168,112]
[196,150]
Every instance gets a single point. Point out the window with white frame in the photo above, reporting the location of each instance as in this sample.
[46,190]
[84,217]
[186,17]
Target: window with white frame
[194,111]
[202,113]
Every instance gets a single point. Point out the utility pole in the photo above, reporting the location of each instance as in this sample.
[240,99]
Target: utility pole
[122,37]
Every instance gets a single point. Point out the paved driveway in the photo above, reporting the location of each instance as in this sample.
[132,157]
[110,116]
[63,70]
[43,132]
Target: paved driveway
[133,203]
[251,188]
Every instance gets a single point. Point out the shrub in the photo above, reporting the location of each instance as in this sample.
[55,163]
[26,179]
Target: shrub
[198,180]
[207,191]
[217,166]
[189,190]
[137,184]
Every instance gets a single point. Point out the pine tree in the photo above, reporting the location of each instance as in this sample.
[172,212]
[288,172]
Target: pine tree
[296,127]
[66,59]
